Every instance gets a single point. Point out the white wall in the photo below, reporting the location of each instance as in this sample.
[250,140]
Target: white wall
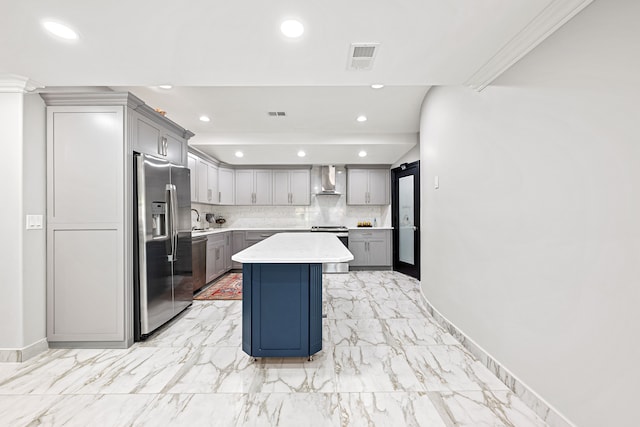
[532,243]
[11,221]
[34,202]
[411,156]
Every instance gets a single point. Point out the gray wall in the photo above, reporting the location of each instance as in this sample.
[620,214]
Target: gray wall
[532,243]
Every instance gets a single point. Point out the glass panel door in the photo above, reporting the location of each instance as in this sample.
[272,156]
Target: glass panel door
[405,215]
[405,206]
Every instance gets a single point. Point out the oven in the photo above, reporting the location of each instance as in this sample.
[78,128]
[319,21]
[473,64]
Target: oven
[342,233]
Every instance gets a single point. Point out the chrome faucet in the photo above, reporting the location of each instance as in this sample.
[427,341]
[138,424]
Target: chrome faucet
[197,219]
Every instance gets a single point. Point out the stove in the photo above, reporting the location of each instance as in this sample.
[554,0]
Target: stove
[342,233]
[330,228]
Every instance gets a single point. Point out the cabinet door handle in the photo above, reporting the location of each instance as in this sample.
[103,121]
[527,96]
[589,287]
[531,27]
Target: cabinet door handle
[219,196]
[164,147]
[209,194]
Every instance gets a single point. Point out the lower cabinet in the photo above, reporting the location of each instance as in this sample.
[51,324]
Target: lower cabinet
[281,309]
[370,248]
[218,255]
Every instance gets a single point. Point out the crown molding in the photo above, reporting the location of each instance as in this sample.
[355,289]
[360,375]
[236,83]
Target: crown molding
[552,17]
[13,83]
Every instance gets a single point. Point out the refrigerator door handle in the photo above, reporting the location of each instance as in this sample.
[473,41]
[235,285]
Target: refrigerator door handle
[173,229]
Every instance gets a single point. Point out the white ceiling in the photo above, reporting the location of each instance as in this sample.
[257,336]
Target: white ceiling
[229,60]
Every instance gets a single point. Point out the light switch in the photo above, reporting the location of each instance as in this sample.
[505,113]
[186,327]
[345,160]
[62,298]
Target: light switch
[34,222]
[436,182]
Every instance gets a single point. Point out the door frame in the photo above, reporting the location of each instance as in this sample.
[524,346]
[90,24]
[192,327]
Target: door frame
[406,169]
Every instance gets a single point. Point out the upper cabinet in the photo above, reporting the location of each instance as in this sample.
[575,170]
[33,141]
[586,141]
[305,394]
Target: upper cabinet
[368,186]
[291,187]
[210,183]
[192,163]
[254,187]
[159,137]
[226,186]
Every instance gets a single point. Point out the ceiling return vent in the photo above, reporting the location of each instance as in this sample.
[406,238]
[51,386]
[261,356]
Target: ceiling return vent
[361,56]
[277,113]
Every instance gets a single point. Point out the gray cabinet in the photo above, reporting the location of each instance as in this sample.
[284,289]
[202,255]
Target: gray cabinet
[227,251]
[368,186]
[237,244]
[192,164]
[205,181]
[90,140]
[216,262]
[155,135]
[226,186]
[291,187]
[253,187]
[370,248]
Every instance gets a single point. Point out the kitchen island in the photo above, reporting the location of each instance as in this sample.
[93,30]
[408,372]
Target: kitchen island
[282,293]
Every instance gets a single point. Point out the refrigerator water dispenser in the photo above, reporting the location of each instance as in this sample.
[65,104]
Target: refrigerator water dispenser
[159,219]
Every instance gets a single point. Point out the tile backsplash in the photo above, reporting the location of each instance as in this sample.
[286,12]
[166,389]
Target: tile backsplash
[324,210]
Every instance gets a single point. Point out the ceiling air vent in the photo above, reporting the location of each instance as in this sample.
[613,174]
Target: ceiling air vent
[361,56]
[277,113]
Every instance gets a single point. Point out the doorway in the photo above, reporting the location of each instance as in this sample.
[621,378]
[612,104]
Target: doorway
[405,218]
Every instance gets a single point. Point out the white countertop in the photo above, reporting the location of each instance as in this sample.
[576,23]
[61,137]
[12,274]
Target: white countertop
[206,232]
[296,248]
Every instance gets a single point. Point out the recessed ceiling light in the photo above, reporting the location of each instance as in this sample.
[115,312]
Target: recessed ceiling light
[362,153]
[166,87]
[292,28]
[205,119]
[239,154]
[361,118]
[377,86]
[301,153]
[60,30]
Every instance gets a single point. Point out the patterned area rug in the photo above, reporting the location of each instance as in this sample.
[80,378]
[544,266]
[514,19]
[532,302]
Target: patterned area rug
[228,287]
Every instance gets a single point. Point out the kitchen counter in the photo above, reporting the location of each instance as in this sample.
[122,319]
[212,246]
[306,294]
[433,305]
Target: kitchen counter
[195,233]
[282,293]
[296,248]
[370,228]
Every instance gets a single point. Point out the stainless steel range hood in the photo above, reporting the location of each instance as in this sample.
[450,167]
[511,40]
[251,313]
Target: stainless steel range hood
[328,174]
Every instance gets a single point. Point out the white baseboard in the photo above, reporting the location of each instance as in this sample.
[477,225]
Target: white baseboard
[17,355]
[541,407]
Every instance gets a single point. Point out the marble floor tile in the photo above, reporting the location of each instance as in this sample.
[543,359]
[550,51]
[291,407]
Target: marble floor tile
[216,370]
[190,410]
[24,410]
[295,374]
[399,308]
[356,332]
[349,309]
[413,409]
[484,408]
[384,362]
[416,331]
[291,410]
[105,410]
[450,367]
[379,368]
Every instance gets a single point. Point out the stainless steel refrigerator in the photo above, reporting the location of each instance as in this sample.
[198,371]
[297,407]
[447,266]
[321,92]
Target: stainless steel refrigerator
[162,244]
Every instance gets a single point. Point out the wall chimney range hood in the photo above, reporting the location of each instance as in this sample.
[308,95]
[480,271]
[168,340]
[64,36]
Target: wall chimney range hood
[328,175]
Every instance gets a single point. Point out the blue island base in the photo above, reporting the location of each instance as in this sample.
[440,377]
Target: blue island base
[281,310]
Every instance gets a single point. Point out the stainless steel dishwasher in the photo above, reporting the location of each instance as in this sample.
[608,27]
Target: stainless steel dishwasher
[199,261]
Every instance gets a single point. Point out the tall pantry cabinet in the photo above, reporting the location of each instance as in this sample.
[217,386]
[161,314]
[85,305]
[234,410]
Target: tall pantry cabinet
[91,138]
